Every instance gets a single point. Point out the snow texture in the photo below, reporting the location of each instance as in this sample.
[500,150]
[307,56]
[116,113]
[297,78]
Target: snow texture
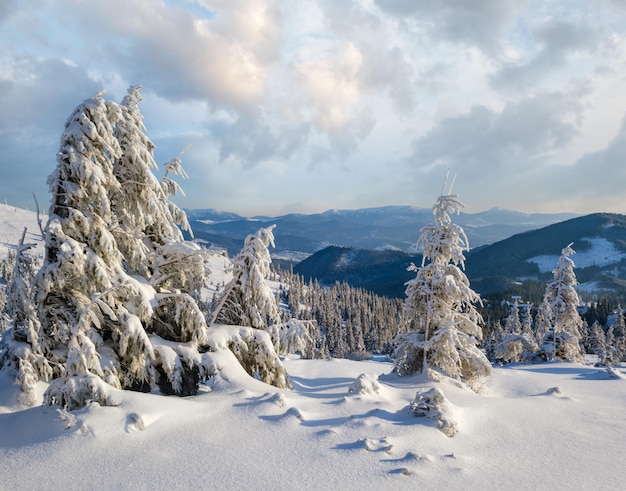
[516,434]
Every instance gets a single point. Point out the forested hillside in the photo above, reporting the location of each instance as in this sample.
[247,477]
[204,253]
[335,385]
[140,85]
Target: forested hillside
[599,240]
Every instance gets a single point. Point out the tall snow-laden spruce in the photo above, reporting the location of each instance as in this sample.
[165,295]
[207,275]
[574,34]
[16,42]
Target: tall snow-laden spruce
[543,321]
[619,331]
[440,303]
[91,311]
[116,295]
[597,342]
[147,231]
[247,299]
[562,341]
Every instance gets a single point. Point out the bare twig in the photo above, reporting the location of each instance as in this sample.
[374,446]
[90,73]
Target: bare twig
[38,215]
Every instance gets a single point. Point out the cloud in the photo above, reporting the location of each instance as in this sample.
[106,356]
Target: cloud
[36,91]
[498,149]
[7,8]
[606,167]
[594,183]
[36,98]
[332,87]
[384,68]
[559,41]
[322,102]
[479,23]
[520,133]
[221,59]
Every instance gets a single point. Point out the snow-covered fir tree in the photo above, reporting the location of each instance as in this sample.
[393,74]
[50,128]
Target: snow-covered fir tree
[82,288]
[94,302]
[299,336]
[492,340]
[20,288]
[596,342]
[513,323]
[7,267]
[247,299]
[4,318]
[619,332]
[441,303]
[22,347]
[610,355]
[563,339]
[518,343]
[112,317]
[543,321]
[527,321]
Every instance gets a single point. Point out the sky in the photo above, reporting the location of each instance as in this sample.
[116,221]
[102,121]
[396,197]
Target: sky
[299,106]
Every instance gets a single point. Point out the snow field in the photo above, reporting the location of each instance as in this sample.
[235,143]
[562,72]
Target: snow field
[12,223]
[601,253]
[242,434]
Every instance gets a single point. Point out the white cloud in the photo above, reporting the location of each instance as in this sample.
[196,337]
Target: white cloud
[332,87]
[480,23]
[7,8]
[558,43]
[323,103]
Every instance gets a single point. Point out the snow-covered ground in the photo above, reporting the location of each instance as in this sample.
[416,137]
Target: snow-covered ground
[547,426]
[12,223]
[521,432]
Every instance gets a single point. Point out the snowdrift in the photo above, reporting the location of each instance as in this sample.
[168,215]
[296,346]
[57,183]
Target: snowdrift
[345,424]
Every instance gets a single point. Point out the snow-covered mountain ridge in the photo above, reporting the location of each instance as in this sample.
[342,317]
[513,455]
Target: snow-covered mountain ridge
[599,240]
[389,227]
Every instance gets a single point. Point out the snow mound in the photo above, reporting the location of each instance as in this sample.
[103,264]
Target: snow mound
[377,444]
[613,373]
[432,404]
[366,383]
[134,422]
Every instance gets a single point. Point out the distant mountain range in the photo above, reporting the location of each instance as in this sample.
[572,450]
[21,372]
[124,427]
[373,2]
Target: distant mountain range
[599,239]
[370,248]
[386,228]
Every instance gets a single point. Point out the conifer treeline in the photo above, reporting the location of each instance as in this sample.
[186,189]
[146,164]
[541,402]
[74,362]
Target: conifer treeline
[352,321]
[520,335]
